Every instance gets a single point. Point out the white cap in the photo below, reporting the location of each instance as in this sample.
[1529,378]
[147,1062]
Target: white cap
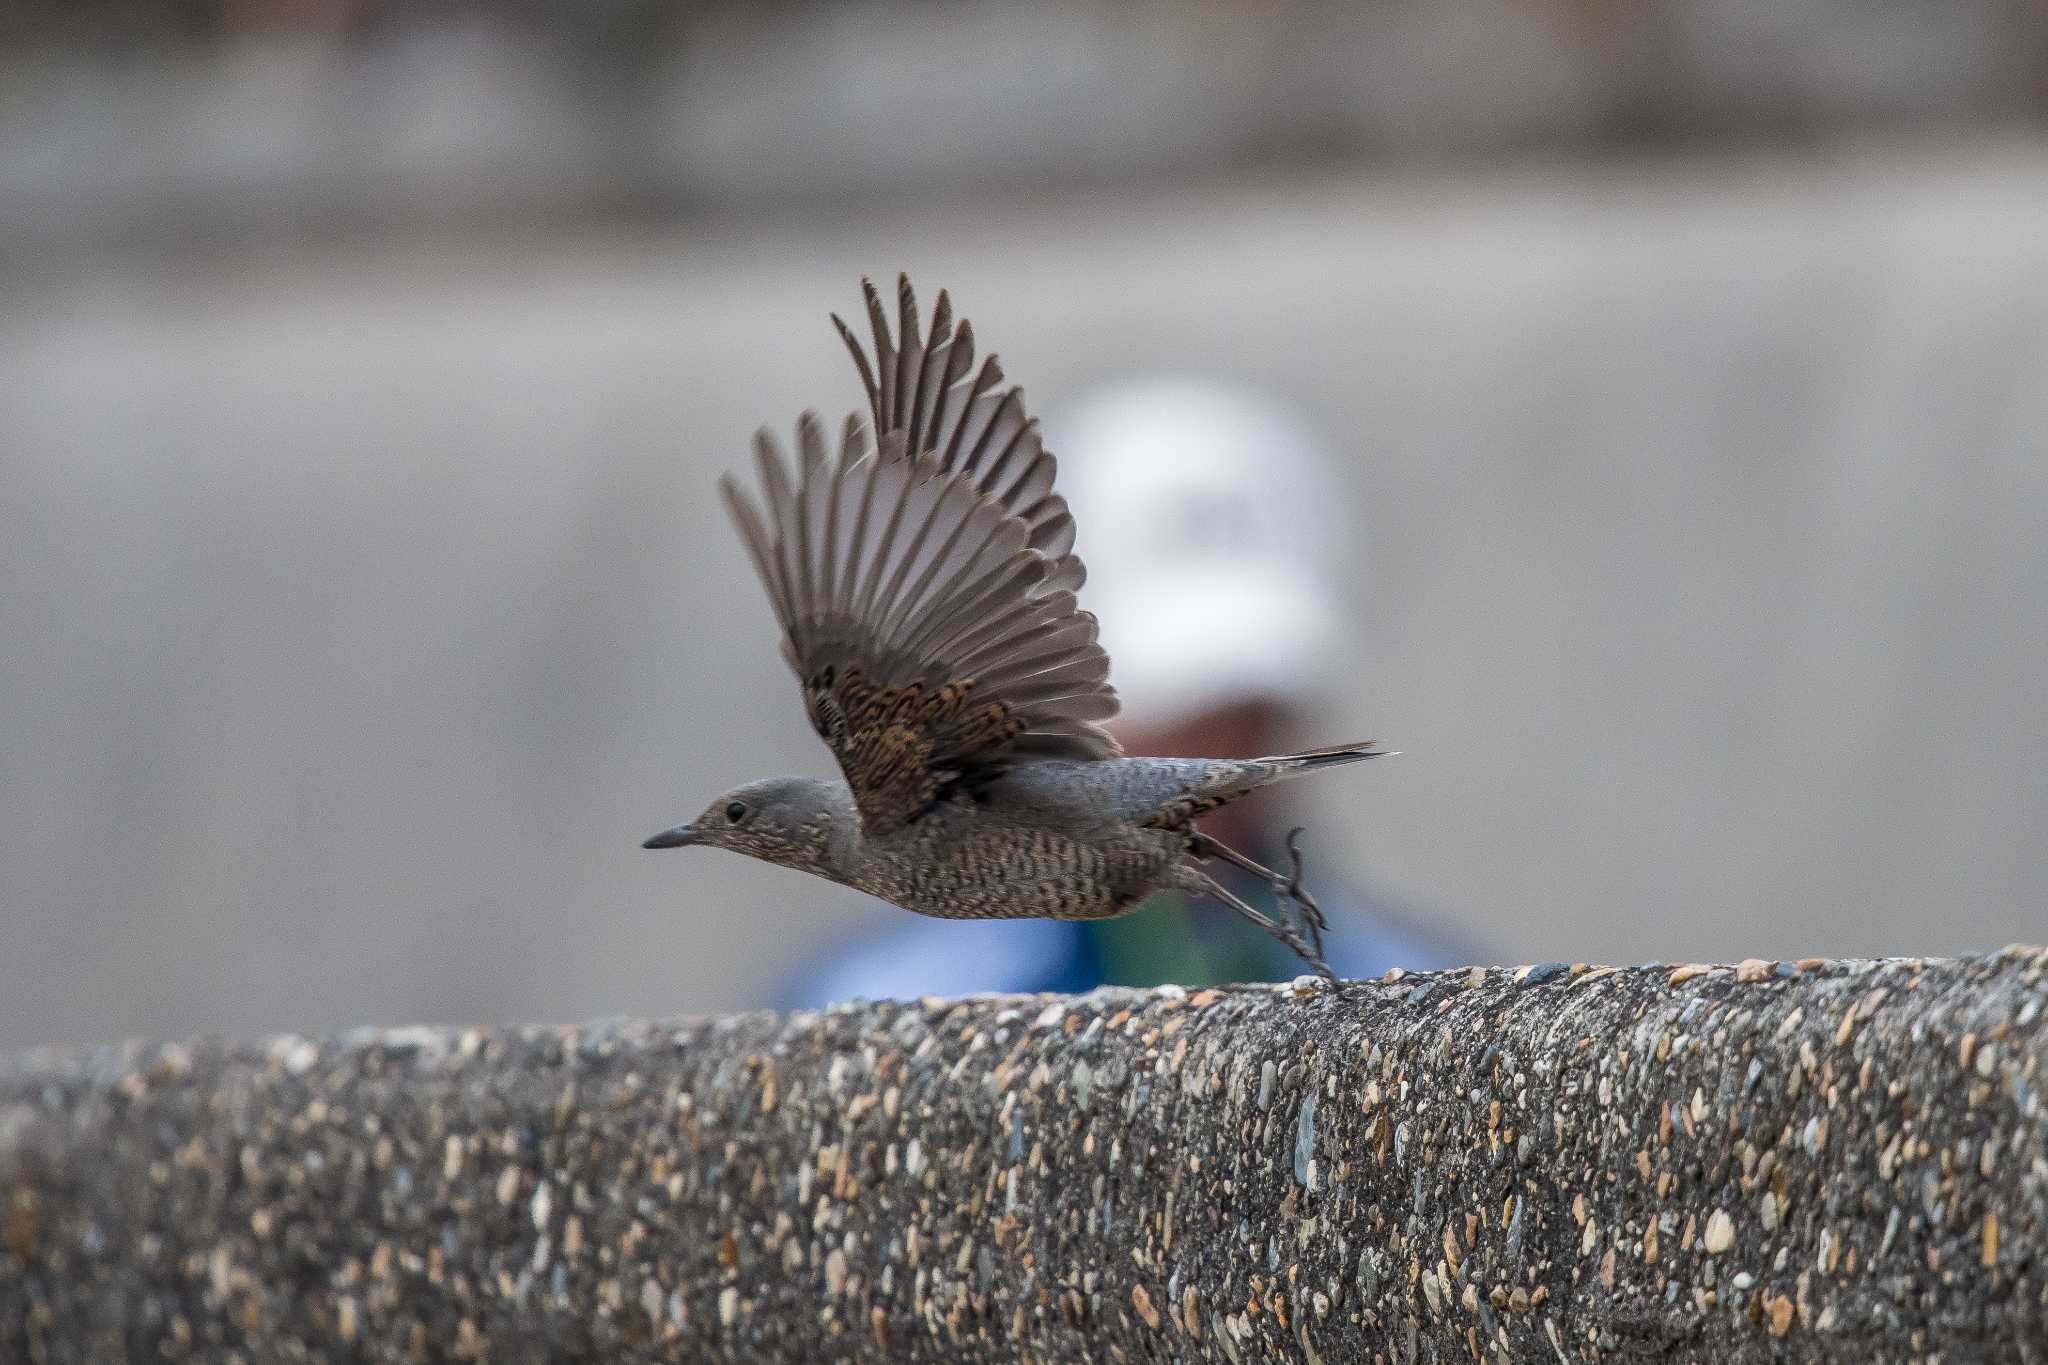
[1212,530]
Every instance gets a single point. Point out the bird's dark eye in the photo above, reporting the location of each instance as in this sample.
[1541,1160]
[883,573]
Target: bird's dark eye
[736,811]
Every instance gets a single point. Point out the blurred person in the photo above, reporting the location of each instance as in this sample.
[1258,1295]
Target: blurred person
[1213,535]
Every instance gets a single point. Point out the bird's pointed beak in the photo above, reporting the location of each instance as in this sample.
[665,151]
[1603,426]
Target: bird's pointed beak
[679,837]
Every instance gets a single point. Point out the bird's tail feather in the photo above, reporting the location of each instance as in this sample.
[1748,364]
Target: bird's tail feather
[1310,759]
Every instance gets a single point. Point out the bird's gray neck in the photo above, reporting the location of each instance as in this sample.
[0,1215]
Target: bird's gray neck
[844,849]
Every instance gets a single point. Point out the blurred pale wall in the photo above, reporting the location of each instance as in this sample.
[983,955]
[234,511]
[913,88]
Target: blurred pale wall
[365,608]
[366,370]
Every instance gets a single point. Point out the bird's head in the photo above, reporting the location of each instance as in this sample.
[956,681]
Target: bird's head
[797,822]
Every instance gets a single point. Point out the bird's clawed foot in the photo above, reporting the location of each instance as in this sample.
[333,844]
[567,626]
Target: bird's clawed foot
[1292,889]
[1289,887]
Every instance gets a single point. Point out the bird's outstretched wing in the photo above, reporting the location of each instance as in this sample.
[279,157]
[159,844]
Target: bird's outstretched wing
[926,388]
[935,644]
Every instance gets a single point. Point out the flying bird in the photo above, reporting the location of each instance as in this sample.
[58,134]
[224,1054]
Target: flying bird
[924,578]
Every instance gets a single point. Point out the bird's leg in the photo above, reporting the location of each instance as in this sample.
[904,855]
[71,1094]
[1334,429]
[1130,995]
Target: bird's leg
[1207,885]
[1288,885]
[1298,893]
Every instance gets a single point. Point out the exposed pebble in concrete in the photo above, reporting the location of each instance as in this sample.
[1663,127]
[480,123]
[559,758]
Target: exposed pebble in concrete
[1305,1137]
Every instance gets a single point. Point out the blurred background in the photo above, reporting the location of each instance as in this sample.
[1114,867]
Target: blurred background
[366,370]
